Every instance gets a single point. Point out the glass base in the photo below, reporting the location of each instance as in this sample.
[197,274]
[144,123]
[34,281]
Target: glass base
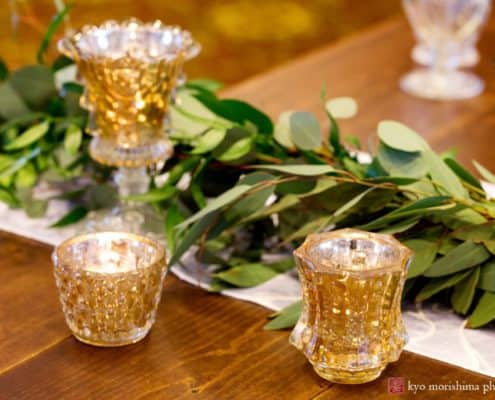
[133,337]
[423,55]
[451,85]
[107,151]
[348,377]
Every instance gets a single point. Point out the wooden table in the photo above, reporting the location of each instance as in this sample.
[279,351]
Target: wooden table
[207,346]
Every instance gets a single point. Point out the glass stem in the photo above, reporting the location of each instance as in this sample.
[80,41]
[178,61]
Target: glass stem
[132,181]
[445,61]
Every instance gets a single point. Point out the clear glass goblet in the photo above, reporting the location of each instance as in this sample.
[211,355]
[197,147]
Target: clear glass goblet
[446,27]
[422,54]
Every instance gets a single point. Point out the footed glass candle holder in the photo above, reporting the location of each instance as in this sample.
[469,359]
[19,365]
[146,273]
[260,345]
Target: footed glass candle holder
[110,284]
[351,325]
[130,71]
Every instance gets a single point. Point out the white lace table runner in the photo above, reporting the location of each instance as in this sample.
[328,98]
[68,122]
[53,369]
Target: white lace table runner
[433,332]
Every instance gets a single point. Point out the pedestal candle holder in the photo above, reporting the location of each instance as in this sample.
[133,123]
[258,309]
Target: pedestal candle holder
[351,326]
[110,284]
[130,71]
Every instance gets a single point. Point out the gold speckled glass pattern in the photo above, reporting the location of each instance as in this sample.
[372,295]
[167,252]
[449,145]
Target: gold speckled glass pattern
[130,70]
[351,325]
[110,284]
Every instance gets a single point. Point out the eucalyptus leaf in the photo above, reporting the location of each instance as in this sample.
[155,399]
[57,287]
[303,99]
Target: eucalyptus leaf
[400,137]
[73,87]
[338,149]
[192,235]
[10,134]
[460,218]
[247,275]
[285,318]
[236,111]
[485,173]
[7,197]
[484,311]
[443,175]
[197,194]
[11,103]
[476,233]
[154,195]
[463,173]
[224,199]
[400,227]
[282,131]
[52,28]
[487,277]
[301,186]
[418,208]
[436,285]
[283,265]
[301,169]
[35,84]
[353,141]
[31,135]
[342,107]
[305,130]
[464,292]
[6,161]
[250,203]
[19,163]
[396,180]
[353,202]
[184,166]
[173,218]
[207,141]
[4,71]
[205,84]
[313,226]
[354,167]
[26,177]
[447,245]
[241,112]
[464,256]
[425,252]
[190,117]
[236,144]
[61,62]
[73,216]
[73,139]
[400,163]
[284,203]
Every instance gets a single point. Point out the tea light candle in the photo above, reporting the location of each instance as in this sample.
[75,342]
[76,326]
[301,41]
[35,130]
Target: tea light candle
[110,286]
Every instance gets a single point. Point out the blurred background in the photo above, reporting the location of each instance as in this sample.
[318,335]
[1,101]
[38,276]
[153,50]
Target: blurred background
[240,38]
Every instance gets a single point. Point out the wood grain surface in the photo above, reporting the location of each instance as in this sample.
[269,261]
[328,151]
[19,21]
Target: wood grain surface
[204,346]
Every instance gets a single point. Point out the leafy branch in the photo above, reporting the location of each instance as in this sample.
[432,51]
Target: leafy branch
[244,190]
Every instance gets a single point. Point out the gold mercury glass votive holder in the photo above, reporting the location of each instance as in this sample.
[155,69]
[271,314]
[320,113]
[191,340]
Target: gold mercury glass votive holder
[351,325]
[110,284]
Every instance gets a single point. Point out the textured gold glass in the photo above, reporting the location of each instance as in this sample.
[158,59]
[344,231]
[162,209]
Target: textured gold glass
[130,70]
[110,284]
[351,325]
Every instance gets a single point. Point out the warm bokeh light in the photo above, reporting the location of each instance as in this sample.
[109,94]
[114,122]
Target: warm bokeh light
[240,37]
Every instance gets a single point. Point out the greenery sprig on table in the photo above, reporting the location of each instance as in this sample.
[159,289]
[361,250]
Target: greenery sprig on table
[243,191]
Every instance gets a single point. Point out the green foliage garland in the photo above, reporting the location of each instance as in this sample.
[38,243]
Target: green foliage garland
[258,188]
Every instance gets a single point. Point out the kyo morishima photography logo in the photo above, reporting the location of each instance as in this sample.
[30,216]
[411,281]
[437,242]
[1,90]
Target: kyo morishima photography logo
[401,385]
